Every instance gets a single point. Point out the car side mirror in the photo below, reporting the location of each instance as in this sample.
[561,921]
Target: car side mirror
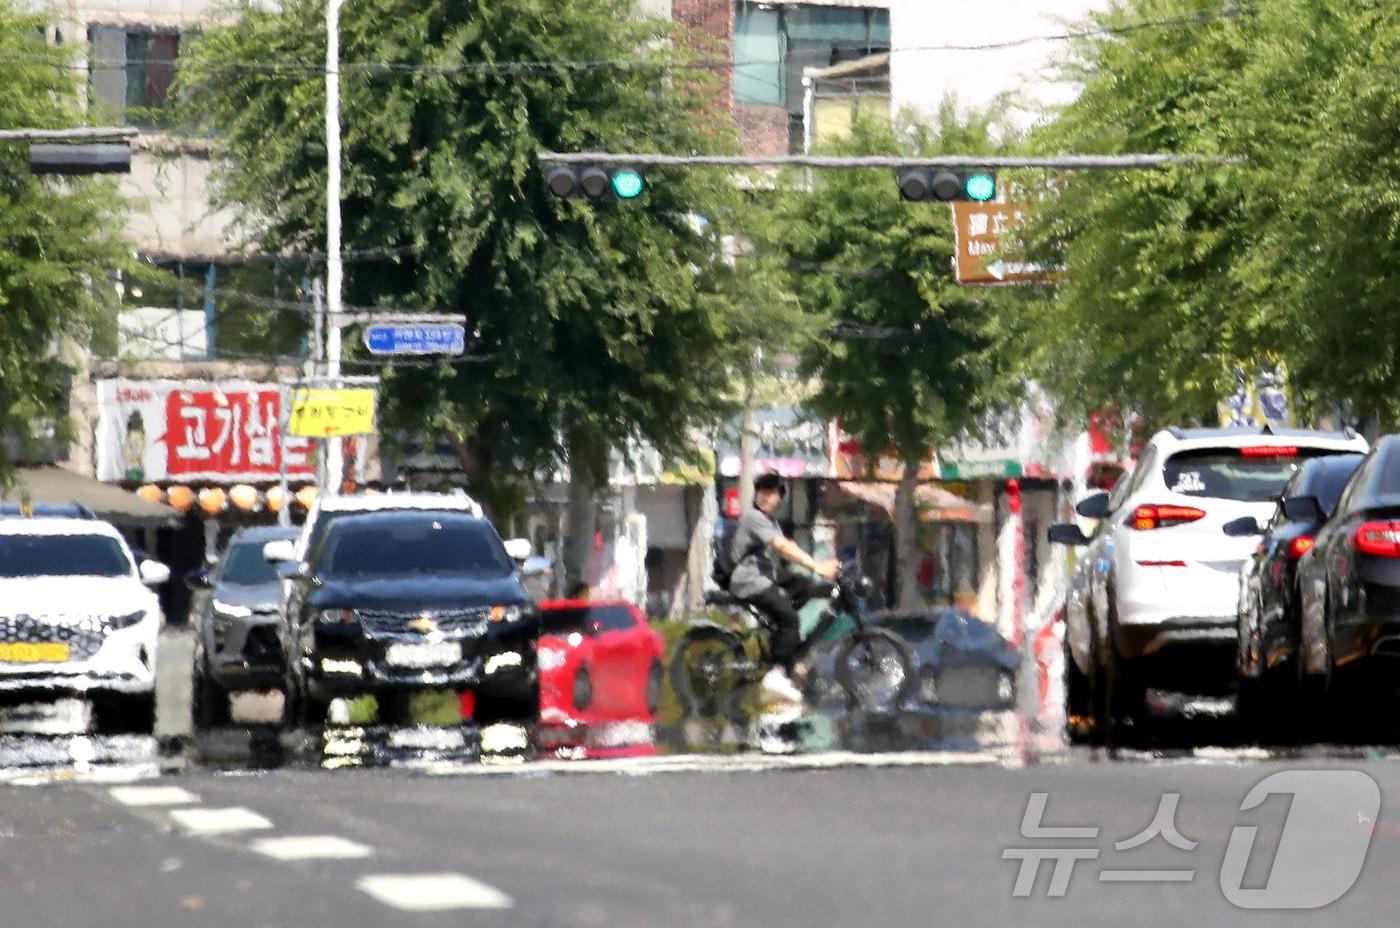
[153,573]
[1066,533]
[519,549]
[199,579]
[283,549]
[1242,527]
[1093,507]
[293,570]
[1303,509]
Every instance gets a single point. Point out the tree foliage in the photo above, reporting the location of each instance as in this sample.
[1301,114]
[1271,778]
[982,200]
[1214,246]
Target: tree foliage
[1174,278]
[907,359]
[594,324]
[59,239]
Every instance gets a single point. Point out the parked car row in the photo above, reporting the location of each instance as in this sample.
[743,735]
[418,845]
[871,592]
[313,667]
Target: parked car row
[1155,600]
[78,615]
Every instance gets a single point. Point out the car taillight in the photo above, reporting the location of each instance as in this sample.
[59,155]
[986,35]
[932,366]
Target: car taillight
[1381,539]
[1300,546]
[1269,451]
[1146,518]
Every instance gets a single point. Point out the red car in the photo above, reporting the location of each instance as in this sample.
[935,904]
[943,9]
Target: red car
[600,672]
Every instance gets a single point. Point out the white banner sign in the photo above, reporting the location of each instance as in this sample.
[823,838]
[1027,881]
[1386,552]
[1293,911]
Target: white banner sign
[212,431]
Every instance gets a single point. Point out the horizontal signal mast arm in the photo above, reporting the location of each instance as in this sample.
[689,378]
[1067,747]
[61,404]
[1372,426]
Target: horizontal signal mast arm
[1054,162]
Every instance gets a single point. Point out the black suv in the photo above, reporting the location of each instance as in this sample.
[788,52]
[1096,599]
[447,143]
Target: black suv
[391,602]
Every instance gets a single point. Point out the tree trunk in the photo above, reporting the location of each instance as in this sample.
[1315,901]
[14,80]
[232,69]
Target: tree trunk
[748,434]
[587,464]
[906,541]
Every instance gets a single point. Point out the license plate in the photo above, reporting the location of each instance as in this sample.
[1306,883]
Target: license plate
[427,654]
[27,652]
[441,739]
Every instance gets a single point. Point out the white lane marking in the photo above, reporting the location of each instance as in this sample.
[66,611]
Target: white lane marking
[699,763]
[218,821]
[153,796]
[432,892]
[311,847]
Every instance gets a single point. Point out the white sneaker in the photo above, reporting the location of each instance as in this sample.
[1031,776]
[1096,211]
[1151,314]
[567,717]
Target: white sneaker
[777,684]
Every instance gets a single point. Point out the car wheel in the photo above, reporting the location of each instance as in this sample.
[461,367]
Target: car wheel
[211,702]
[1079,702]
[123,713]
[583,689]
[656,679]
[1123,694]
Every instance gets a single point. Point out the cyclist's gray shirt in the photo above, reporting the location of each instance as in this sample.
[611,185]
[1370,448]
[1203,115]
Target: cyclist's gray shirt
[751,548]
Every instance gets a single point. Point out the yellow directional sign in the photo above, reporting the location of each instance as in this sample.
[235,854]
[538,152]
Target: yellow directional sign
[325,413]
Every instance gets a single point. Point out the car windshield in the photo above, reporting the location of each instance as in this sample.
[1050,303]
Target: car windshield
[911,628]
[62,556]
[1238,474]
[1332,478]
[245,564]
[432,543]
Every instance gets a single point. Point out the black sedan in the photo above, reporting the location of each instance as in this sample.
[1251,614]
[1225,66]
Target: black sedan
[1269,603]
[402,601]
[236,623]
[1350,582]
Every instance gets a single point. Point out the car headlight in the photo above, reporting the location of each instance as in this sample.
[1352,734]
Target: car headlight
[503,661]
[506,613]
[232,610]
[125,621]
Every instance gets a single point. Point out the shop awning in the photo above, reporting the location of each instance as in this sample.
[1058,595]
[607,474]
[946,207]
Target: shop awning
[935,504]
[112,503]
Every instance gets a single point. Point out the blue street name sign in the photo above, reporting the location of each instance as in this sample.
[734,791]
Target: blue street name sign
[416,338]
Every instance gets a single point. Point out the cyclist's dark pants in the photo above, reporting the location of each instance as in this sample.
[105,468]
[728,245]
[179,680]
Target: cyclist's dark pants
[780,603]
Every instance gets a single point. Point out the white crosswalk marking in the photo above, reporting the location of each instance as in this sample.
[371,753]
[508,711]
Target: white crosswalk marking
[311,847]
[153,796]
[432,892]
[218,821]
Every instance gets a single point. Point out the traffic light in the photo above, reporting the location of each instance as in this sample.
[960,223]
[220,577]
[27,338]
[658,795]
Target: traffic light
[92,158]
[595,183]
[922,185]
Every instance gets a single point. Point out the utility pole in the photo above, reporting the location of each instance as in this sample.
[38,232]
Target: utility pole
[335,455]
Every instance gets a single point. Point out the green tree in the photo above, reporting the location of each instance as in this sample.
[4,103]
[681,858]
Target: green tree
[595,324]
[1174,278]
[908,357]
[59,238]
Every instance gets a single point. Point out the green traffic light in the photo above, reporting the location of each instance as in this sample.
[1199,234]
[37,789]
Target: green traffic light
[627,184]
[980,187]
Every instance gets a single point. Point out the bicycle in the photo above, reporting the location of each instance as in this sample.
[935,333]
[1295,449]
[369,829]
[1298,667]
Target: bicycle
[714,664]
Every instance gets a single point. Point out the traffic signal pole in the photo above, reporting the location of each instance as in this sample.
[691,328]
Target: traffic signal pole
[334,447]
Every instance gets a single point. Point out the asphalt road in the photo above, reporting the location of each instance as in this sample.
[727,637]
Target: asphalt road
[638,844]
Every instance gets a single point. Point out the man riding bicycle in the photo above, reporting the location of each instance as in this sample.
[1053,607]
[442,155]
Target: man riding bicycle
[772,587]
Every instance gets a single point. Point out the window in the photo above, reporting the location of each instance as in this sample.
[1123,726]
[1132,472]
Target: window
[132,70]
[774,45]
[62,556]
[610,619]
[1229,474]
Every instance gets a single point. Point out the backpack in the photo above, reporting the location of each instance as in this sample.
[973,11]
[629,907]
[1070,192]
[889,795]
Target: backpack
[724,563]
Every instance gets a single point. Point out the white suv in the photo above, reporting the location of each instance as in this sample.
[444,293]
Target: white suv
[77,614]
[1154,596]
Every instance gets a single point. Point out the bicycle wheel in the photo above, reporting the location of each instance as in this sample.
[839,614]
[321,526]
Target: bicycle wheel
[706,671]
[876,669]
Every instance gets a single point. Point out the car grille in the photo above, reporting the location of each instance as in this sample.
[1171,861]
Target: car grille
[460,621]
[83,638]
